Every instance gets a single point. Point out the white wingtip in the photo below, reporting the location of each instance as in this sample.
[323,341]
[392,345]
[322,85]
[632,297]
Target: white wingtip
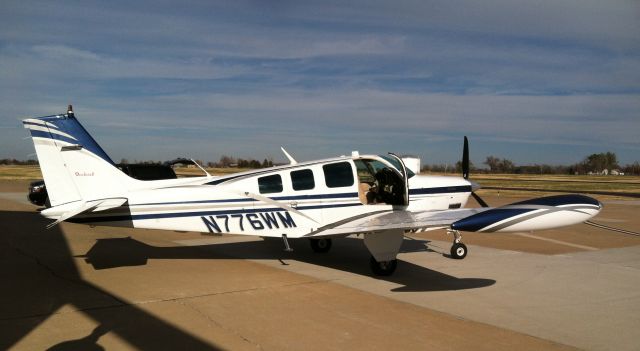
[291,159]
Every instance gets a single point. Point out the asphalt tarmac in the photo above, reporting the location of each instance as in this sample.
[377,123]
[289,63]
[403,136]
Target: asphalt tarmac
[74,287]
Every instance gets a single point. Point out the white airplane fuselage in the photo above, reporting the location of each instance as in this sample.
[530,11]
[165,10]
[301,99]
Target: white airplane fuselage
[241,204]
[375,195]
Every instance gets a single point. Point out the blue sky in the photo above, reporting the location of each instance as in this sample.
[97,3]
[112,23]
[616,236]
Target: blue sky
[532,81]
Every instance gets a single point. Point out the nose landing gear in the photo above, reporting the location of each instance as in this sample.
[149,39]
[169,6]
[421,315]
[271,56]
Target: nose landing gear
[458,249]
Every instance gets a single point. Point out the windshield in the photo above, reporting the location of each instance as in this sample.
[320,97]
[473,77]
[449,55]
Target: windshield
[397,165]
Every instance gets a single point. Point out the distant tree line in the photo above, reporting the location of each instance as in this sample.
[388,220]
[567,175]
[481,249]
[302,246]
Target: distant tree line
[228,161]
[602,163]
[592,164]
[224,162]
[125,161]
[13,161]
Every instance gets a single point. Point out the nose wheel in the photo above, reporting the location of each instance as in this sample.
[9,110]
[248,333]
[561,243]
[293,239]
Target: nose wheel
[458,249]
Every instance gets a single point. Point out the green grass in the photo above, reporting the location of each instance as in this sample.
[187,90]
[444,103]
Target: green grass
[616,184]
[20,172]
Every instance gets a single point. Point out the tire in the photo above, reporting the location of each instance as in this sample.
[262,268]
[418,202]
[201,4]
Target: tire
[383,268]
[459,251]
[320,245]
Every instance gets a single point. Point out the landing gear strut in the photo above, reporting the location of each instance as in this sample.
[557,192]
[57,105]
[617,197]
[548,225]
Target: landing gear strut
[458,249]
[320,245]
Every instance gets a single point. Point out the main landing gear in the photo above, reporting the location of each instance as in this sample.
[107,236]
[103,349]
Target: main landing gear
[458,249]
[320,245]
[384,247]
[383,268]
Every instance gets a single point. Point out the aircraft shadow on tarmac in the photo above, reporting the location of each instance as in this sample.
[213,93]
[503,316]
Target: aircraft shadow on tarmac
[43,278]
[348,254]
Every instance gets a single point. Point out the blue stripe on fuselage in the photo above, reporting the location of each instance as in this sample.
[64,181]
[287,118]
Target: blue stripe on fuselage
[420,191]
[276,198]
[197,213]
[441,190]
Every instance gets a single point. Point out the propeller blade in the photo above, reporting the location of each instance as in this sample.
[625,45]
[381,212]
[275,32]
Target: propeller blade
[479,199]
[465,159]
[465,172]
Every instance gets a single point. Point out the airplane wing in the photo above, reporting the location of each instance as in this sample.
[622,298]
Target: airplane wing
[535,214]
[387,220]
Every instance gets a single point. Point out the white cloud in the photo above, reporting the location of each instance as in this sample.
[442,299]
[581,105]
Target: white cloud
[325,75]
[56,62]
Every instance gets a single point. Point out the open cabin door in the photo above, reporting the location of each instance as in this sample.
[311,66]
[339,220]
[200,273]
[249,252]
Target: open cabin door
[383,180]
[405,178]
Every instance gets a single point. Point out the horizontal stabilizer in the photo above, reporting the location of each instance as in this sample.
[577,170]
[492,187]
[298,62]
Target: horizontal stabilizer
[89,206]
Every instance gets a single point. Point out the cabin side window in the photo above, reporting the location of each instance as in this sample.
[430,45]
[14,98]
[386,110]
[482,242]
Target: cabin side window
[302,180]
[270,184]
[338,175]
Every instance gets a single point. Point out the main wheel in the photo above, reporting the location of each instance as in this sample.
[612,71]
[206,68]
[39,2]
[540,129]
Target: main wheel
[383,267]
[320,245]
[458,251]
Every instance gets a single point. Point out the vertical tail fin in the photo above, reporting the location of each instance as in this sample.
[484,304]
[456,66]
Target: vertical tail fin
[74,166]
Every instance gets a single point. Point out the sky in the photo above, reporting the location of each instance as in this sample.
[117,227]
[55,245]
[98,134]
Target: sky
[544,81]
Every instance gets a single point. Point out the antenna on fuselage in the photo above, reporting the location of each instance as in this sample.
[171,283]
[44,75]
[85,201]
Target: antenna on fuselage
[291,159]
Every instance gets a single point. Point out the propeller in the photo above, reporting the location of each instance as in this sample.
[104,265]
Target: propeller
[474,186]
[465,173]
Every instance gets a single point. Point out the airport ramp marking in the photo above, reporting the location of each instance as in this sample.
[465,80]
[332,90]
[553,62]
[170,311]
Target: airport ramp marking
[611,220]
[584,247]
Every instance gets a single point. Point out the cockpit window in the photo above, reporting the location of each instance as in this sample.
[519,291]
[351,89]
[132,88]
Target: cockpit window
[397,165]
[379,183]
[367,169]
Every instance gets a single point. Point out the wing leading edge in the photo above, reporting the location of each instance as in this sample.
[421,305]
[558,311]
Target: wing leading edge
[390,220]
[536,214]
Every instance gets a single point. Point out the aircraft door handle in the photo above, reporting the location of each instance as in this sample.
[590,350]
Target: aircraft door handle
[293,204]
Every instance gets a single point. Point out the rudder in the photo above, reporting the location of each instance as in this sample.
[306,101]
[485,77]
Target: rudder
[74,166]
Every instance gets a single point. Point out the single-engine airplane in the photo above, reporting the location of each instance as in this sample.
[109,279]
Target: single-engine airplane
[373,195]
